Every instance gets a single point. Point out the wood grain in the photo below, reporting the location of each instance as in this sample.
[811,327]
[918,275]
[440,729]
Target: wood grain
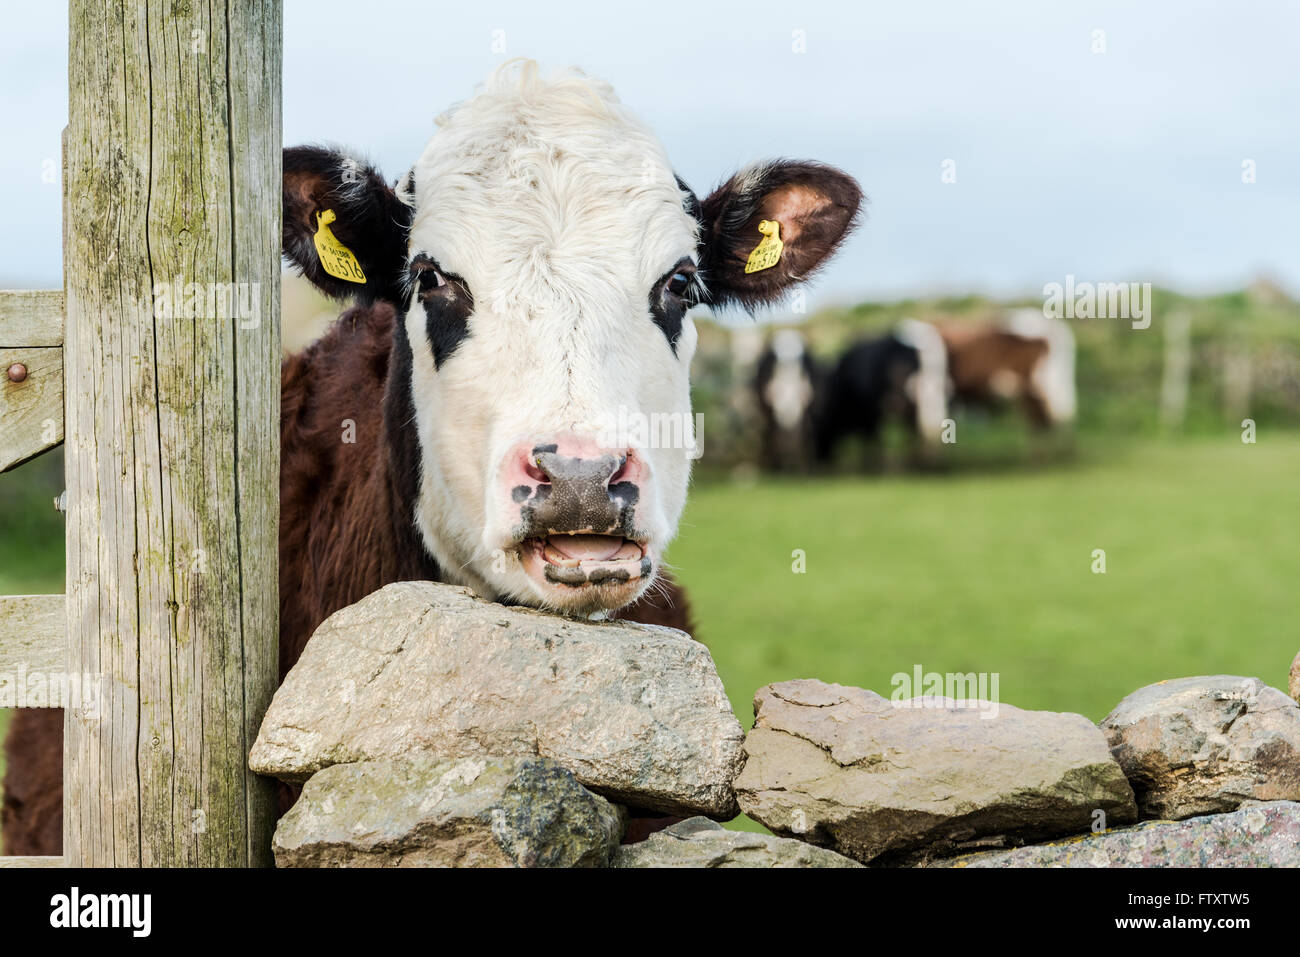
[33,634]
[31,411]
[172,177]
[31,317]
[16,861]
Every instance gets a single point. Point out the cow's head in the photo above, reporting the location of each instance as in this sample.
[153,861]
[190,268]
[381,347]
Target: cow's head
[545,258]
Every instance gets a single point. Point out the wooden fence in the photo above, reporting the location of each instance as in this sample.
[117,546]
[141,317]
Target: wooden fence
[160,362]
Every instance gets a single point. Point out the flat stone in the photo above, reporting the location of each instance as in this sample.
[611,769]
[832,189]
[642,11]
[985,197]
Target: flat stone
[636,712]
[465,812]
[1294,680]
[699,842]
[1259,835]
[1204,745]
[892,782]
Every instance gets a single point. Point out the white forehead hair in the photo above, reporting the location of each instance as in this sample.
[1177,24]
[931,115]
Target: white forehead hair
[551,188]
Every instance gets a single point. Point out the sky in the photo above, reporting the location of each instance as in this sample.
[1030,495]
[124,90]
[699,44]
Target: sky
[1111,156]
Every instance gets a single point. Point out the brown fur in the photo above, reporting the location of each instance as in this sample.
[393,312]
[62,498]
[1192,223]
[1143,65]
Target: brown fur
[980,354]
[346,530]
[33,784]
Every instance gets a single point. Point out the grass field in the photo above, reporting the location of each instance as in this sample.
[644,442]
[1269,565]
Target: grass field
[992,573]
[982,572]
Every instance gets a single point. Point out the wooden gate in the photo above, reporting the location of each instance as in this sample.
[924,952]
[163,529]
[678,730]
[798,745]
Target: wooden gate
[159,362]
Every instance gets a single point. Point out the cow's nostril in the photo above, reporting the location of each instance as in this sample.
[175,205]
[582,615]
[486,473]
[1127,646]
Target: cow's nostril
[535,472]
[621,472]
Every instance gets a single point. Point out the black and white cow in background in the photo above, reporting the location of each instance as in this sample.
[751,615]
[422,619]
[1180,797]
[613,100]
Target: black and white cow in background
[789,390]
[809,408]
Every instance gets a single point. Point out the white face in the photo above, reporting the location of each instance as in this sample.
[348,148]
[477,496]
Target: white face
[789,392]
[553,260]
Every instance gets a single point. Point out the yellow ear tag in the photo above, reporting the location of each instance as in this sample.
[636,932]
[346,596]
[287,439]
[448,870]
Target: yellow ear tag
[336,258]
[768,251]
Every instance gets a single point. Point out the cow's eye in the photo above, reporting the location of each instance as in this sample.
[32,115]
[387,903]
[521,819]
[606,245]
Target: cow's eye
[675,292]
[431,279]
[426,276]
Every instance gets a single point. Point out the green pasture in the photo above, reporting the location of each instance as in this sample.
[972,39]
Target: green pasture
[993,572]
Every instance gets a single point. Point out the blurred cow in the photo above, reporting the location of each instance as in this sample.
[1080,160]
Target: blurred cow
[809,410]
[1027,358]
[788,384]
[900,377]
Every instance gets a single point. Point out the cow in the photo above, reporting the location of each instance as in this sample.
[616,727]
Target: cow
[1022,358]
[520,301]
[789,389]
[810,408]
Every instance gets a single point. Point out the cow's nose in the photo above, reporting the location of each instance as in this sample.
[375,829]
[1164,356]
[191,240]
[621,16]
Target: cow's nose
[583,493]
[585,476]
[566,485]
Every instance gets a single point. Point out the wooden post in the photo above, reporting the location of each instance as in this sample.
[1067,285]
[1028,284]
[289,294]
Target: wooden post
[1238,380]
[172,354]
[1177,371]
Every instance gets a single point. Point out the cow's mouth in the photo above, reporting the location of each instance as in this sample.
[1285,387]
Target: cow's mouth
[581,560]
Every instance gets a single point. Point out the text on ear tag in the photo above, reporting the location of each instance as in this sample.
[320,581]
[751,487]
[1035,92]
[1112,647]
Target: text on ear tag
[768,251]
[335,258]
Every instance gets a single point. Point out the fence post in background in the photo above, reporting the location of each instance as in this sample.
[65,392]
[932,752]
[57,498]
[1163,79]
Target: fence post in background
[1177,370]
[172,353]
[1238,382]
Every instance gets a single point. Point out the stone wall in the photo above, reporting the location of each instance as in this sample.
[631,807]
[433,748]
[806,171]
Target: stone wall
[432,728]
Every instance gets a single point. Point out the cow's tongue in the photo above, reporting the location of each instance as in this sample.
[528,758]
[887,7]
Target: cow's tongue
[587,548]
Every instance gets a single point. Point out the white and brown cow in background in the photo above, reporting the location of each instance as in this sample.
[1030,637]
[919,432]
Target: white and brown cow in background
[520,295]
[1024,358]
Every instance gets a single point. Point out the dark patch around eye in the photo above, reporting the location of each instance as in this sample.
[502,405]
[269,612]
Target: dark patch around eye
[668,310]
[447,307]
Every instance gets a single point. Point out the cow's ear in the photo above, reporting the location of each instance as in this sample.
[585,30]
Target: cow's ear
[344,227]
[771,226]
